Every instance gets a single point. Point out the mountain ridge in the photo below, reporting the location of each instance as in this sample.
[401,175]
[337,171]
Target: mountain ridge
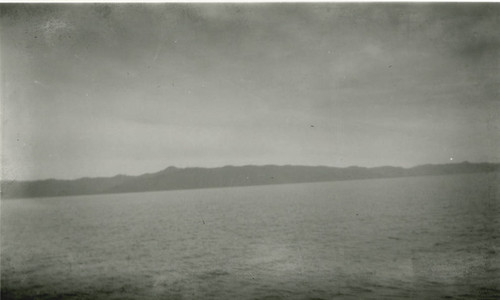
[173,178]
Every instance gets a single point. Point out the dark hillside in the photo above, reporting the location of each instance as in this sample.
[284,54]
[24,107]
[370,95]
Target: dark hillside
[173,178]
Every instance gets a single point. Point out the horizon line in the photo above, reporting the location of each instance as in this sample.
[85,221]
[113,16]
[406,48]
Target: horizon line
[246,165]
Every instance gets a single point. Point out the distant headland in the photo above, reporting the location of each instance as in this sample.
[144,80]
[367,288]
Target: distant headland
[173,178]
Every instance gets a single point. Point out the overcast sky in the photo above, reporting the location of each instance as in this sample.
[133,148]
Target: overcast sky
[97,90]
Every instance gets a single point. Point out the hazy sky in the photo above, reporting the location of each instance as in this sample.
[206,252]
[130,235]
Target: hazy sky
[97,90]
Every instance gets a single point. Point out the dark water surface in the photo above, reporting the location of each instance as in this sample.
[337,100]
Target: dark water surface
[422,238]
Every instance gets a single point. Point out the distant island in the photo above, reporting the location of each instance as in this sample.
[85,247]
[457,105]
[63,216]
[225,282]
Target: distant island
[173,178]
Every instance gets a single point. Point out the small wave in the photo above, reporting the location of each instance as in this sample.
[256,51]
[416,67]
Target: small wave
[360,289]
[212,274]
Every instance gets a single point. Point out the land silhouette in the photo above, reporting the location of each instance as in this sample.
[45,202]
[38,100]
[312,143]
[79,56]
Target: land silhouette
[173,178]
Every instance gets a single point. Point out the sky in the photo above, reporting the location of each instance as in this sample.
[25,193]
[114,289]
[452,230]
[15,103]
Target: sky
[106,89]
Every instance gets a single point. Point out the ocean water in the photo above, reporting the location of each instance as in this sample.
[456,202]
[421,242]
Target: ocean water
[420,238]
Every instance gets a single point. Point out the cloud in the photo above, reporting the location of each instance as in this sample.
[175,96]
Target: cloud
[209,83]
